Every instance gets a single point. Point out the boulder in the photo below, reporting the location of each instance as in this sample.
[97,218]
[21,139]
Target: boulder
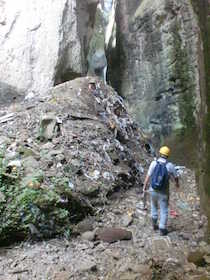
[111,235]
[72,165]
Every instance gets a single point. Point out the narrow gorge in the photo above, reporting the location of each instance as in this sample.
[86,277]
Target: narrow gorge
[89,91]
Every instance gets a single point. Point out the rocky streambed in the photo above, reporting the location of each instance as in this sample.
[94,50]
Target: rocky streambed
[183,254]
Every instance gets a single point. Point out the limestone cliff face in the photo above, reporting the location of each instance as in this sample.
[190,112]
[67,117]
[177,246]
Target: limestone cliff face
[42,43]
[202,9]
[157,53]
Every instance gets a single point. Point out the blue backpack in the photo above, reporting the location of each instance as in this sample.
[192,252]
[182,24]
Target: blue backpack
[160,176]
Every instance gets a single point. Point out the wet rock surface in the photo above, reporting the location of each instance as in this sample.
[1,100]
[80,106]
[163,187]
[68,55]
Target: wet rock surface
[62,158]
[160,81]
[147,256]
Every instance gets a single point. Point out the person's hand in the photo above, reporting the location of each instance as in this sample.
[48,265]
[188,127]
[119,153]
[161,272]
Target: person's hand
[177,186]
[177,183]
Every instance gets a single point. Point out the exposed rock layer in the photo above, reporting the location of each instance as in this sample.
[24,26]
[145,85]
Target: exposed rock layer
[157,56]
[202,8]
[43,42]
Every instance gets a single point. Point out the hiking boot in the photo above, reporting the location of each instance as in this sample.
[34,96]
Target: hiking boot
[154,224]
[163,231]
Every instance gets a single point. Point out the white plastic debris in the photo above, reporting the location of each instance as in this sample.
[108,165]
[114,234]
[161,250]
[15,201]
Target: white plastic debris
[180,169]
[58,120]
[59,165]
[30,140]
[29,96]
[71,185]
[16,163]
[140,205]
[79,92]
[119,146]
[108,176]
[93,175]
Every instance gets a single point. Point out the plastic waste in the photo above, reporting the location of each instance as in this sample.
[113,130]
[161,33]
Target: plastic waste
[108,176]
[29,96]
[16,163]
[173,214]
[183,205]
[94,175]
[142,205]
[179,169]
[71,185]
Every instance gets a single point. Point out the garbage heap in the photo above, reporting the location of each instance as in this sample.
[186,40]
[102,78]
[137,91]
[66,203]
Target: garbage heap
[62,156]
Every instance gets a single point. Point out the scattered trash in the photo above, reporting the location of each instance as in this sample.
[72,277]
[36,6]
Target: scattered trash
[108,176]
[71,185]
[94,175]
[183,205]
[79,92]
[180,170]
[68,138]
[29,96]
[16,163]
[7,118]
[141,206]
[173,214]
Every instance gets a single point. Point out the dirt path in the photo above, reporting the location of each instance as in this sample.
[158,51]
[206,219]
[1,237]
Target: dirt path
[148,256]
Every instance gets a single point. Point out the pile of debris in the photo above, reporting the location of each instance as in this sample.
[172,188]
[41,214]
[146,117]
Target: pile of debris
[63,155]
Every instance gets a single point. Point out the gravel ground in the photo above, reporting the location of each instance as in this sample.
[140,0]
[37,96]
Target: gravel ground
[146,256]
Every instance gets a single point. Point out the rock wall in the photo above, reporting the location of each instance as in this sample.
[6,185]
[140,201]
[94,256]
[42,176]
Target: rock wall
[202,8]
[158,62]
[43,42]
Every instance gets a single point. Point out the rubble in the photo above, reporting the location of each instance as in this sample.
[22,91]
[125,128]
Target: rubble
[147,256]
[65,155]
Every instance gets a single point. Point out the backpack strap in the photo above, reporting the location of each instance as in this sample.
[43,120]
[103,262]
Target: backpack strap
[165,163]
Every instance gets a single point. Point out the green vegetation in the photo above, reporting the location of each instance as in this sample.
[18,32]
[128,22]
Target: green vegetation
[29,209]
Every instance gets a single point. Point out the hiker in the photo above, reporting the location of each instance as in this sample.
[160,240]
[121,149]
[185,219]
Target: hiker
[159,174]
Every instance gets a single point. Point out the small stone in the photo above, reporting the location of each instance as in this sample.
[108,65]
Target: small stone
[127,220]
[207,259]
[87,266]
[2,197]
[113,234]
[196,257]
[113,253]
[48,146]
[61,275]
[88,235]
[83,226]
[189,267]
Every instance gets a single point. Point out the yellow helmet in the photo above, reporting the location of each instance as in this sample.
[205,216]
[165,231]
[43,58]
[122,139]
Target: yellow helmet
[165,151]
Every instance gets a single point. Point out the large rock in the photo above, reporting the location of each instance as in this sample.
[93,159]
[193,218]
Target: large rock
[157,67]
[42,44]
[61,177]
[203,10]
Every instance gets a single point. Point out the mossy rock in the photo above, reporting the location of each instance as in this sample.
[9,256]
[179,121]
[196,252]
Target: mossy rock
[37,212]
